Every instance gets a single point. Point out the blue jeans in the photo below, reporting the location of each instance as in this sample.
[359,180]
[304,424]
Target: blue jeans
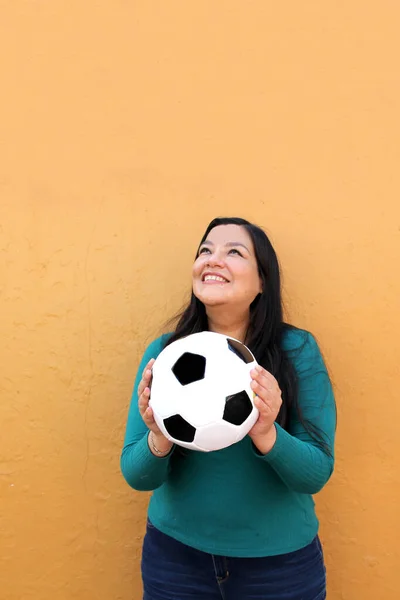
[173,571]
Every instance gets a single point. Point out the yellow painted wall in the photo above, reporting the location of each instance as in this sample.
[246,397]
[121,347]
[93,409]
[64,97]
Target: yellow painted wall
[124,128]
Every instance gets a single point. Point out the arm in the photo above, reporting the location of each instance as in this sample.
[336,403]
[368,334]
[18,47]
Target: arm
[301,462]
[141,469]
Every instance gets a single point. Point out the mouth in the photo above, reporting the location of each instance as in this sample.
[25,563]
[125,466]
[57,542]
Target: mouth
[213,278]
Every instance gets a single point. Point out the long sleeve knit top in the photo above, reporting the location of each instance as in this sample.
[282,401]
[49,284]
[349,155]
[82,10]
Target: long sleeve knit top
[236,502]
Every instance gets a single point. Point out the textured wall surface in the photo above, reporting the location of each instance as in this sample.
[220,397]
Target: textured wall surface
[124,128]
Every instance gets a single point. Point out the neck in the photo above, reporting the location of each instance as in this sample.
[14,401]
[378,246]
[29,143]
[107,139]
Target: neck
[230,326]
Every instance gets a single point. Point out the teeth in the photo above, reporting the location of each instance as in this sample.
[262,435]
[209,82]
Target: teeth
[214,278]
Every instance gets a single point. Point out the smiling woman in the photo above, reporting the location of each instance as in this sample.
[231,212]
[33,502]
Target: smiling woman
[225,273]
[238,523]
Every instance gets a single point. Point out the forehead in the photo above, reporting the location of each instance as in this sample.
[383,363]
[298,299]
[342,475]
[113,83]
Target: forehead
[226,234]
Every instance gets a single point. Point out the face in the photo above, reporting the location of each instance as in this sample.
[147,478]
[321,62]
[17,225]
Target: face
[225,271]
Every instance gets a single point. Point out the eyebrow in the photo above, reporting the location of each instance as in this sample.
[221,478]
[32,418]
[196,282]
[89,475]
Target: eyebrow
[229,244]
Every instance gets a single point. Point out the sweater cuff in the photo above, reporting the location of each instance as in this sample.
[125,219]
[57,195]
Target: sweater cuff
[280,450]
[145,455]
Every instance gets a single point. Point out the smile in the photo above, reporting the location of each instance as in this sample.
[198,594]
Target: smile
[217,278]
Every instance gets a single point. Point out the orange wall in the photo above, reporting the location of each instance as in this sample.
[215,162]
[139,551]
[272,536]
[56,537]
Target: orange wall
[124,128]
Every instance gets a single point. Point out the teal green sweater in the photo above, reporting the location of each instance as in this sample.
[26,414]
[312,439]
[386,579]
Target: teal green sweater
[236,502]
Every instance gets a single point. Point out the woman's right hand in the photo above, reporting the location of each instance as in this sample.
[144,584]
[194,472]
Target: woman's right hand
[158,438]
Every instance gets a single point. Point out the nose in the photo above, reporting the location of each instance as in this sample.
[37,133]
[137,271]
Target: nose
[215,259]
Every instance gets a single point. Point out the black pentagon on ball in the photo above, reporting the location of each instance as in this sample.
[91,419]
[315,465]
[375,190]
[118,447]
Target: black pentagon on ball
[237,408]
[179,429]
[240,350]
[189,368]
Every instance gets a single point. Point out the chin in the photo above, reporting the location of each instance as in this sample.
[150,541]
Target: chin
[210,300]
[211,297]
[214,302]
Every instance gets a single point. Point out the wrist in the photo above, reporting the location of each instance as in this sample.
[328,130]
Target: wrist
[266,442]
[159,445]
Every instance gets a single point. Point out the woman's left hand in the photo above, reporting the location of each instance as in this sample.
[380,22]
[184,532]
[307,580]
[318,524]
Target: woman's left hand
[268,401]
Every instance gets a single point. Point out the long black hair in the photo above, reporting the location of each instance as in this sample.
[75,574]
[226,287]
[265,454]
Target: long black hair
[266,325]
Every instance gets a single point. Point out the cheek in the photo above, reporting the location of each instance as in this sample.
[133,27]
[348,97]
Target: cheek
[253,280]
[196,270]
[198,266]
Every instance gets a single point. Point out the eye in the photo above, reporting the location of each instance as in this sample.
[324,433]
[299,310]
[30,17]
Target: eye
[235,251]
[204,250]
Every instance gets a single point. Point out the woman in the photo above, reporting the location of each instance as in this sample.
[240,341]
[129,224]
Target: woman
[239,523]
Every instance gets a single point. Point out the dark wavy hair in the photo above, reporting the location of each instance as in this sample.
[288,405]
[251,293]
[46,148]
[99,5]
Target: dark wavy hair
[266,326]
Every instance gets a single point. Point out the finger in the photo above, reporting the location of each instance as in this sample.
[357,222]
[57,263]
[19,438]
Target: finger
[265,379]
[267,389]
[147,375]
[265,409]
[261,391]
[148,416]
[147,371]
[259,371]
[148,367]
[145,381]
[141,387]
[271,400]
[144,400]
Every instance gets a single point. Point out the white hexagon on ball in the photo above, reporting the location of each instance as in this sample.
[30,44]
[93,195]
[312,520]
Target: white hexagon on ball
[200,393]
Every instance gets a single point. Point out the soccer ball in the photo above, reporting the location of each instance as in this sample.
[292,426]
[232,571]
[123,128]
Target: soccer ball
[200,393]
